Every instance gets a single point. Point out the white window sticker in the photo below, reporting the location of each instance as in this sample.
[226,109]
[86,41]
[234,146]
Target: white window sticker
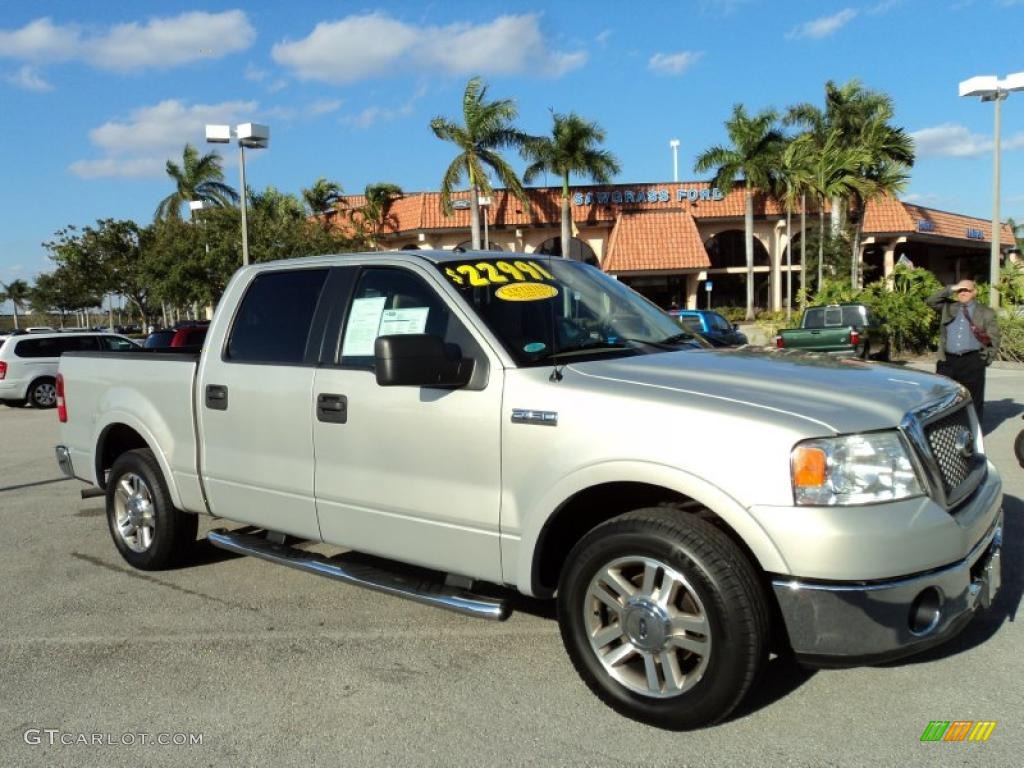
[363,322]
[400,321]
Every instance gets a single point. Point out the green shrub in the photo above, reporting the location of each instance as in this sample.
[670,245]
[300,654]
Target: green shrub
[1011,323]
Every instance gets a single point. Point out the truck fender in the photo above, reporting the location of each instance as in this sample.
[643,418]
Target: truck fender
[114,418]
[671,478]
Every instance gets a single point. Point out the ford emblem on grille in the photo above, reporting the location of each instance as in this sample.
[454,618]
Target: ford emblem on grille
[964,443]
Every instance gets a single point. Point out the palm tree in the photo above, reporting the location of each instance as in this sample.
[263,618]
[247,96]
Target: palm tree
[793,184]
[756,146]
[571,148]
[17,292]
[487,127]
[832,171]
[376,209]
[321,197]
[197,178]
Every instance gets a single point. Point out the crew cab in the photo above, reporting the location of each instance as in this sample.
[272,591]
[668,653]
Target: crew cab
[838,329]
[528,422]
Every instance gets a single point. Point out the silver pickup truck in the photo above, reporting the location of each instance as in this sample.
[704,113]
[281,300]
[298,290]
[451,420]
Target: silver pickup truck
[529,422]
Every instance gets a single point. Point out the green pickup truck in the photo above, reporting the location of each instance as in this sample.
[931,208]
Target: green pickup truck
[838,329]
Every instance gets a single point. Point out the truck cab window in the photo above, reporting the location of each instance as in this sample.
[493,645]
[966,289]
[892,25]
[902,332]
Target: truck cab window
[274,319]
[390,301]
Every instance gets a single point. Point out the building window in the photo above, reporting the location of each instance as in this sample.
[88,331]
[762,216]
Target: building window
[578,250]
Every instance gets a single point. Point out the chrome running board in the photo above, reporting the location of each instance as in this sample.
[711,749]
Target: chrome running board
[363,575]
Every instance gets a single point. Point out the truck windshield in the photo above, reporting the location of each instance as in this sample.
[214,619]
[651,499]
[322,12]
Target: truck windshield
[552,309]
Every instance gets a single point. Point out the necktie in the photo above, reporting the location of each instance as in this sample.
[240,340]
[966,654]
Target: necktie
[967,315]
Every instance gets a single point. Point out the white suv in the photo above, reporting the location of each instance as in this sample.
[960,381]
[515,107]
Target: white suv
[28,363]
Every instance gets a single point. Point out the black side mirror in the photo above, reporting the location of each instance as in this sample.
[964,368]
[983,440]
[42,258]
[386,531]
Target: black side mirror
[419,360]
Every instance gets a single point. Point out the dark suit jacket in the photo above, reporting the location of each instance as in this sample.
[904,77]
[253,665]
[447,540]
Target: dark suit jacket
[984,318]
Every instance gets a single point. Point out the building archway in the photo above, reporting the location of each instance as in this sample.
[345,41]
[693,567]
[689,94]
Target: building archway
[727,253]
[578,250]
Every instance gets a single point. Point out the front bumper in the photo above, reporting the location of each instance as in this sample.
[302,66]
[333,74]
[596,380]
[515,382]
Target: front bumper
[844,624]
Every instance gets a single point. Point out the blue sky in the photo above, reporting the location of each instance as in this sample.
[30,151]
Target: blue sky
[94,97]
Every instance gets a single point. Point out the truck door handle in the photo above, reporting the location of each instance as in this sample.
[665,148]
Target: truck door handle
[216,397]
[332,408]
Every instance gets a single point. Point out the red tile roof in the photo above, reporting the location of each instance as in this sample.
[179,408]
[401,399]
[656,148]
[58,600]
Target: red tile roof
[421,211]
[655,240]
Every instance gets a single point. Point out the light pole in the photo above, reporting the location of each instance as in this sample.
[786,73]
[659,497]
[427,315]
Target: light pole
[674,143]
[991,88]
[254,136]
[484,202]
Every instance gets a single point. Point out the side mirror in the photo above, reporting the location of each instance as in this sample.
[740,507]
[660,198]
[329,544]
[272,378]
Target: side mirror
[419,360]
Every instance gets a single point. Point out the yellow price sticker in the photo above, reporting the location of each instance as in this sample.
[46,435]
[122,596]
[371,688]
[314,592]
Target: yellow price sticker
[526,292]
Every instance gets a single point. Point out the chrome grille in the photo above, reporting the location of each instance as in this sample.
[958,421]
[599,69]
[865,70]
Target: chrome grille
[943,434]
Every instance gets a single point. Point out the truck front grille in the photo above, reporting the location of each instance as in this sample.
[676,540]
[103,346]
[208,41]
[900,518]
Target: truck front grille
[945,438]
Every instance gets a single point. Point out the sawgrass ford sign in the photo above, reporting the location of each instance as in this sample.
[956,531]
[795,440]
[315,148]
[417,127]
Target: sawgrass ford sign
[647,196]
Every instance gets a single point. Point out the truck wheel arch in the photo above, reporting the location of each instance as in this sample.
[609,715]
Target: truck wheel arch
[594,503]
[117,437]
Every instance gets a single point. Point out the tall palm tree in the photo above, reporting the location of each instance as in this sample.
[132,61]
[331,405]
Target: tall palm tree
[756,146]
[376,209]
[890,154]
[792,183]
[321,197]
[197,178]
[571,149]
[17,292]
[832,171]
[486,128]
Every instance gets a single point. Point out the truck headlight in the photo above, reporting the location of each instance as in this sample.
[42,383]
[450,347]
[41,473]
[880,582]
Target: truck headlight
[855,469]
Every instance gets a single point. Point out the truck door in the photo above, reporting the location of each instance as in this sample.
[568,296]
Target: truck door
[411,473]
[255,405]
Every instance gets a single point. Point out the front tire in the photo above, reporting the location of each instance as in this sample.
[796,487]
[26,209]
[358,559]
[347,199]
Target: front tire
[1018,447]
[147,530]
[664,618]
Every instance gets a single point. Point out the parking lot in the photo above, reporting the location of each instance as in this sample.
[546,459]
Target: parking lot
[274,667]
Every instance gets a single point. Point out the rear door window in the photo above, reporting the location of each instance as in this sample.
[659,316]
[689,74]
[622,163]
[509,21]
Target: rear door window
[114,344]
[273,322]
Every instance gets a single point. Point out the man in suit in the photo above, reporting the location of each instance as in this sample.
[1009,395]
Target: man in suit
[969,338]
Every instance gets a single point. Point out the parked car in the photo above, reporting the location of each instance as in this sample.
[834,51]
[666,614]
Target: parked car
[28,363]
[837,329]
[182,335]
[531,422]
[710,325]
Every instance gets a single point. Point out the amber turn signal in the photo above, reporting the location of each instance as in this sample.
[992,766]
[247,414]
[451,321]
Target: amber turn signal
[808,466]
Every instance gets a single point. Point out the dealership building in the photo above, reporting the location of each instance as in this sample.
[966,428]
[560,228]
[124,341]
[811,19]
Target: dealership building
[683,242]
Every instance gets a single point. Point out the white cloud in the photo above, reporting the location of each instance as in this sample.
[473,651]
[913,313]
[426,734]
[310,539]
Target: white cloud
[277,85]
[952,140]
[602,37]
[673,63]
[29,79]
[324,106]
[376,114]
[254,74]
[131,168]
[823,27]
[374,45]
[40,40]
[160,43]
[140,145]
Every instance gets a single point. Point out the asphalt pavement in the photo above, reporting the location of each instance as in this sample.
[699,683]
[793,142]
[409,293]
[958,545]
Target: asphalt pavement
[269,666]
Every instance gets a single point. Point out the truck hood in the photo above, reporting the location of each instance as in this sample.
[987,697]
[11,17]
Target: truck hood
[842,395]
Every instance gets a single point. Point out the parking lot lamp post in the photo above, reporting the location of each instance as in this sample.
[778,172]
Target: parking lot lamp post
[253,136]
[484,203]
[991,88]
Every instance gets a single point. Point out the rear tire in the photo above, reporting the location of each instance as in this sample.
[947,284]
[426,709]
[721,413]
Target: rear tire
[42,393]
[664,618]
[1018,447]
[147,530]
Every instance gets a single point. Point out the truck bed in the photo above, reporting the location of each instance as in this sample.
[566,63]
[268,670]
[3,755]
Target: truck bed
[152,391]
